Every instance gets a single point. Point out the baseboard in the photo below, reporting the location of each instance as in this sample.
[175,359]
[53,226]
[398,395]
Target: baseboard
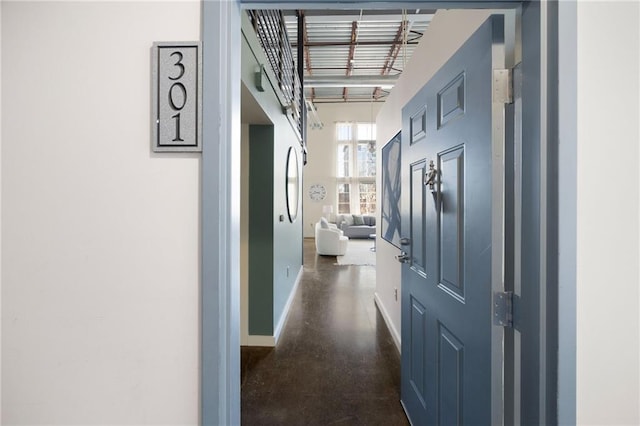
[269,341]
[287,308]
[387,320]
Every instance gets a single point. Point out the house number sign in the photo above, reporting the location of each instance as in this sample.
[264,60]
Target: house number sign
[176,96]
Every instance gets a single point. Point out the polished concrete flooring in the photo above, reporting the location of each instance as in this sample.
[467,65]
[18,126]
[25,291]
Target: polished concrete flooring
[335,362]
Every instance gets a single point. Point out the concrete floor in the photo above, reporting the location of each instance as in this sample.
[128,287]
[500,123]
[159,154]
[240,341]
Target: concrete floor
[335,363]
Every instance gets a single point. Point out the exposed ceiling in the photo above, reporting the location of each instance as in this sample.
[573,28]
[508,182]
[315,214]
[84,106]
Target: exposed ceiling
[355,55]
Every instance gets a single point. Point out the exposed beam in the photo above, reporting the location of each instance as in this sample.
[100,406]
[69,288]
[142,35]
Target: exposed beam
[352,50]
[367,100]
[351,81]
[414,41]
[325,16]
[307,56]
[355,68]
[393,54]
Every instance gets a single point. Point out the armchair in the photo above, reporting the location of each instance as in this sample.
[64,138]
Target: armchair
[329,239]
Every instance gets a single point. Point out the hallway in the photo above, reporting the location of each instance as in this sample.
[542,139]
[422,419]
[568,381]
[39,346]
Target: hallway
[335,363]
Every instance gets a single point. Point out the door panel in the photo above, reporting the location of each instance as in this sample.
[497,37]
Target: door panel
[417,217]
[447,349]
[418,356]
[451,101]
[450,360]
[451,165]
[418,124]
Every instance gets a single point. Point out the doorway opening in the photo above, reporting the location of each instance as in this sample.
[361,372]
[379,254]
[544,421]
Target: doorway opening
[224,17]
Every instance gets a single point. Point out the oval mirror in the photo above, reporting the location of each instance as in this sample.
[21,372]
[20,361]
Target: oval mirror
[293,184]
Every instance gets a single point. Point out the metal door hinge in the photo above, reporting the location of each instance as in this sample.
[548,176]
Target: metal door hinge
[503,86]
[503,309]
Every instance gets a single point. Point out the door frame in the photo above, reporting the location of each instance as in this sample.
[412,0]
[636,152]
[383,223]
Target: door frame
[220,202]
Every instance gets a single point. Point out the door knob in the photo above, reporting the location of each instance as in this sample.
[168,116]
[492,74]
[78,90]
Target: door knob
[402,257]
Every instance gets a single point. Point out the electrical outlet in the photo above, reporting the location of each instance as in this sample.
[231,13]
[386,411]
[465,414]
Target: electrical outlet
[395,293]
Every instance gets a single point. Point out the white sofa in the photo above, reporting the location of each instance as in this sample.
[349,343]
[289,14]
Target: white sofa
[329,239]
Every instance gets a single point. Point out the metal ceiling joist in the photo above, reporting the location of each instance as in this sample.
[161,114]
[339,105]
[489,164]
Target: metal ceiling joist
[307,56]
[343,60]
[352,49]
[351,81]
[361,43]
[393,54]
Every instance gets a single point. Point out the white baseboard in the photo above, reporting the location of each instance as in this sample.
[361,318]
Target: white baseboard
[287,307]
[387,319]
[271,341]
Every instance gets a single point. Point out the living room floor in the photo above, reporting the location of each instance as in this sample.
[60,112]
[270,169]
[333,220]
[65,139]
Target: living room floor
[335,362]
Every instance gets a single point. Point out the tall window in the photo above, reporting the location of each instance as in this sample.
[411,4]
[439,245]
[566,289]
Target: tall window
[356,167]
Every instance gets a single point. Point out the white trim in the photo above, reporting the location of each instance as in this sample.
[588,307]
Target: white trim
[287,307]
[387,320]
[268,341]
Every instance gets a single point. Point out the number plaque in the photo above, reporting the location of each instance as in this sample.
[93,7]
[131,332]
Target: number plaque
[176,96]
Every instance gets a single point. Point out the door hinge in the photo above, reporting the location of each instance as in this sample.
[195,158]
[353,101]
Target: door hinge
[503,86]
[503,309]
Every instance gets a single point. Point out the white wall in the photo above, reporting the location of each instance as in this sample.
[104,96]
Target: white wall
[100,296]
[608,330]
[321,148]
[446,33]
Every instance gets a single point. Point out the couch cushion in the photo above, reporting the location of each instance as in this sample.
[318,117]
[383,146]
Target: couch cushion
[369,220]
[358,219]
[346,218]
[323,223]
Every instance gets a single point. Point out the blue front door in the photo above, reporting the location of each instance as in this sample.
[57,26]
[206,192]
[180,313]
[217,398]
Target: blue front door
[452,210]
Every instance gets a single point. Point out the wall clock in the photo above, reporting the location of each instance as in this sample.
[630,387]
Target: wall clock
[317,192]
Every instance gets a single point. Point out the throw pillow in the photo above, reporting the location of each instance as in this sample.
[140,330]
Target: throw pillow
[348,219]
[323,223]
[358,219]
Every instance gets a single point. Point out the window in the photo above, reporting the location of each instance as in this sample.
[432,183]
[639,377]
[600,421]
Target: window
[344,198]
[367,159]
[356,167]
[367,198]
[344,161]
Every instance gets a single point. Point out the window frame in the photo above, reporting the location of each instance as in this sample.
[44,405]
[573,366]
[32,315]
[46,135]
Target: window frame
[347,134]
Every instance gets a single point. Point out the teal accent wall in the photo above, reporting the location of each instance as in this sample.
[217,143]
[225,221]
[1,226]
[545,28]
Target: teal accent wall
[287,236]
[261,253]
[275,245]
